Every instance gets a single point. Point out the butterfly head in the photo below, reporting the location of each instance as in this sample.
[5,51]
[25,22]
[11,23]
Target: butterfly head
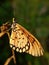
[14,23]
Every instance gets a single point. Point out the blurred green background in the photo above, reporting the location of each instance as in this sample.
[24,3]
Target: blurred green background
[34,16]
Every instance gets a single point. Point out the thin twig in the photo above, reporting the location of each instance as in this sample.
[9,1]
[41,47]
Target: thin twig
[14,56]
[8,60]
[2,33]
[14,59]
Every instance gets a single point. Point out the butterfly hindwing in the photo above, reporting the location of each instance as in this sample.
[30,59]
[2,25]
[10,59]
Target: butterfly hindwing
[23,41]
[18,40]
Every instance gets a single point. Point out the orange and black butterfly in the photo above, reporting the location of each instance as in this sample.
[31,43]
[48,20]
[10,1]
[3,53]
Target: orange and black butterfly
[23,41]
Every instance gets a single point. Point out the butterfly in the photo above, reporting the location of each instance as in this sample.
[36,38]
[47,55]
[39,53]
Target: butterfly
[23,41]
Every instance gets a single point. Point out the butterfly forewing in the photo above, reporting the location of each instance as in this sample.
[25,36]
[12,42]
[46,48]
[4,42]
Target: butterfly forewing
[23,41]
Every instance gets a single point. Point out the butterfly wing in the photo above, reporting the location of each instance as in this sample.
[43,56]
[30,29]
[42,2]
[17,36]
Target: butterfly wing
[23,41]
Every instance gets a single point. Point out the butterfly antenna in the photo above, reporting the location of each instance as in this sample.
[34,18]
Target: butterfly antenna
[13,20]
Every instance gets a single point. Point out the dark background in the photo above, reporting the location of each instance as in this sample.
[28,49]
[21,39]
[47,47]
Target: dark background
[34,16]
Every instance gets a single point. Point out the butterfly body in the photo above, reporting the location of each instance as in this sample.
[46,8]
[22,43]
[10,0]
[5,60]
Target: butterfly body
[23,41]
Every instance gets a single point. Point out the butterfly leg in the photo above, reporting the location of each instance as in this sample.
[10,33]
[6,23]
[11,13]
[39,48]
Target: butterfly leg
[12,50]
[1,32]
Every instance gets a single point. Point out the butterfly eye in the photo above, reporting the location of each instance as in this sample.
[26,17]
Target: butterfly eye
[13,25]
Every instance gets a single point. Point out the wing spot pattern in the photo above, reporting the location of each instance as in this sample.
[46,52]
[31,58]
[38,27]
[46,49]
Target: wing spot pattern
[25,48]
